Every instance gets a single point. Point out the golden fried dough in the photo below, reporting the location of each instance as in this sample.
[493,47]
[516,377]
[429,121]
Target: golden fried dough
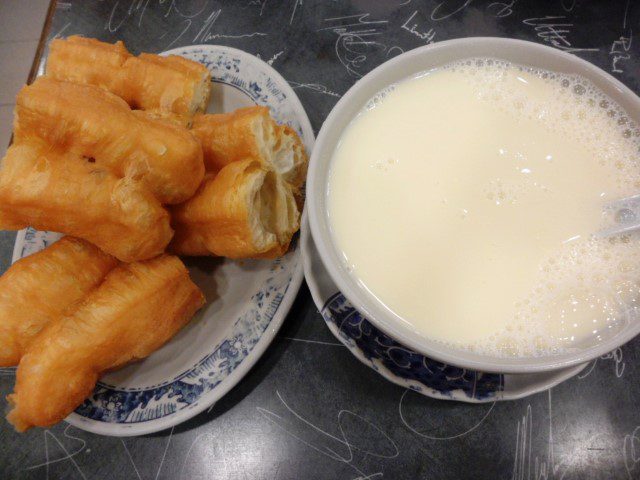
[137,308]
[245,211]
[172,84]
[87,60]
[229,137]
[92,122]
[42,286]
[67,194]
[290,158]
[251,132]
[190,238]
[179,120]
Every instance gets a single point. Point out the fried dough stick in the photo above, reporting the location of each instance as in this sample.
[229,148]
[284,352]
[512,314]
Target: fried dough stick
[43,286]
[290,157]
[67,194]
[137,308]
[171,83]
[89,61]
[245,211]
[230,137]
[251,132]
[94,123]
[149,82]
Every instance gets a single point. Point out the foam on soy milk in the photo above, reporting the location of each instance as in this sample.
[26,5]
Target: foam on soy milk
[572,106]
[465,199]
[584,293]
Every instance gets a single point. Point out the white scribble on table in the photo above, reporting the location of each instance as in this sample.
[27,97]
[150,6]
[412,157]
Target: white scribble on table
[620,52]
[187,24]
[187,21]
[316,87]
[544,468]
[119,17]
[356,39]
[173,7]
[369,477]
[620,48]
[295,8]
[448,8]
[555,30]
[136,7]
[241,35]
[298,427]
[110,25]
[49,435]
[626,14]
[275,57]
[164,454]
[392,50]
[143,9]
[615,356]
[303,340]
[357,20]
[631,453]
[501,9]
[259,3]
[205,34]
[568,5]
[211,439]
[59,33]
[413,27]
[7,371]
[414,430]
[131,459]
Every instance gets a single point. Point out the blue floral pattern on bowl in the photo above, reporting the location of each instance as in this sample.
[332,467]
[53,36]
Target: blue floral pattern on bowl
[385,353]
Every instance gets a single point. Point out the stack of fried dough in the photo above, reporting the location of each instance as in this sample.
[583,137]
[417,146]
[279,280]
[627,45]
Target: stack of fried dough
[114,151]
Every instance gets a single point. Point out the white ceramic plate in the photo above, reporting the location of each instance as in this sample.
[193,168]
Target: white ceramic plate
[402,365]
[247,301]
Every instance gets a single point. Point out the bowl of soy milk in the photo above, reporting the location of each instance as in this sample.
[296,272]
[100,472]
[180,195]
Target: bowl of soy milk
[455,195]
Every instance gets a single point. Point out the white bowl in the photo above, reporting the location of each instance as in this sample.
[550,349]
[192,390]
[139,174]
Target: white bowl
[397,69]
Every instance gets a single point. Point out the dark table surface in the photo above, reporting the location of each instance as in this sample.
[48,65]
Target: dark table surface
[308,409]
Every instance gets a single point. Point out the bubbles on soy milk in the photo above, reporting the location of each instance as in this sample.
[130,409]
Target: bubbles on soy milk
[573,107]
[586,292]
[593,290]
[379,97]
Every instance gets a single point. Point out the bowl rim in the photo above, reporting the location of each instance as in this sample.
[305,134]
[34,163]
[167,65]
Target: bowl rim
[373,309]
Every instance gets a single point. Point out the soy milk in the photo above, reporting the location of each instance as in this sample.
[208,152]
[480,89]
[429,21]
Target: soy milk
[465,200]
